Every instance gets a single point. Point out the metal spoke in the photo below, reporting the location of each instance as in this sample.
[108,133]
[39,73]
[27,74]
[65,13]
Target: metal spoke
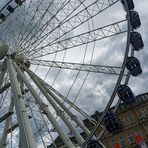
[45,83]
[78,18]
[63,98]
[82,39]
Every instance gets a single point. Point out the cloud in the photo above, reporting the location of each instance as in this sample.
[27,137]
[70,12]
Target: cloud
[97,88]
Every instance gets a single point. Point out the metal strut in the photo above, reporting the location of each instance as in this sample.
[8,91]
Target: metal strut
[77,66]
[7,124]
[4,88]
[60,112]
[73,117]
[45,109]
[86,37]
[92,10]
[55,98]
[66,100]
[22,117]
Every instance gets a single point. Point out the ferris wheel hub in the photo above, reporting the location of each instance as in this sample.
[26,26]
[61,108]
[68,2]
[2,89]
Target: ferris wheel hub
[20,59]
[3,50]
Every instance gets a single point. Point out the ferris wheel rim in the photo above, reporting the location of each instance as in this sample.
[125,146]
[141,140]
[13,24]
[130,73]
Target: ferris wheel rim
[121,74]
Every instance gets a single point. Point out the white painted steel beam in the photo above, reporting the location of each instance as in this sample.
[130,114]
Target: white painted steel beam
[60,112]
[45,109]
[22,117]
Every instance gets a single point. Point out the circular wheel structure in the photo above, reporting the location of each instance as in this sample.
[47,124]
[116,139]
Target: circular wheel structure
[60,60]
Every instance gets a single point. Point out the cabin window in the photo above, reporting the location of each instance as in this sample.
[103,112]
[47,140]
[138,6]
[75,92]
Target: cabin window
[131,139]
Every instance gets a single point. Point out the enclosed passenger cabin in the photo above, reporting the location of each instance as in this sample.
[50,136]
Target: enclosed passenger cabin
[133,66]
[94,144]
[2,17]
[134,20]
[112,123]
[10,9]
[130,5]
[19,2]
[126,94]
[136,41]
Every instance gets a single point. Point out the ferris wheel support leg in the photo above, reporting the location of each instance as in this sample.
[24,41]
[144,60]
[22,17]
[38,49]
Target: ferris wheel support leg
[45,109]
[60,112]
[7,124]
[23,120]
[73,117]
[2,72]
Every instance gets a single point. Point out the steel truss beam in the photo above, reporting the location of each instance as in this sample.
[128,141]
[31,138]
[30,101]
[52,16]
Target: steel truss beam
[85,38]
[77,66]
[79,18]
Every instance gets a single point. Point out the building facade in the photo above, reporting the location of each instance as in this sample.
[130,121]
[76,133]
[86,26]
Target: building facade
[134,120]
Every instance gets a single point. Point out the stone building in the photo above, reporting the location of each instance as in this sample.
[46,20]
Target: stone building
[134,120]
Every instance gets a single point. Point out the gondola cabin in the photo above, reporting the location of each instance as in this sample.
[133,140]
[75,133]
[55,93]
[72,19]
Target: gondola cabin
[2,17]
[19,2]
[112,123]
[126,94]
[94,144]
[133,66]
[136,41]
[10,9]
[130,5]
[134,20]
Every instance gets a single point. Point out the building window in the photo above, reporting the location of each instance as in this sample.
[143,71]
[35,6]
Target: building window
[131,139]
[130,119]
[140,133]
[113,143]
[122,121]
[144,113]
[122,142]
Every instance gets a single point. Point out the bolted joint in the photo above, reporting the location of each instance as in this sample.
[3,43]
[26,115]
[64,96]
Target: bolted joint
[44,108]
[73,117]
[60,112]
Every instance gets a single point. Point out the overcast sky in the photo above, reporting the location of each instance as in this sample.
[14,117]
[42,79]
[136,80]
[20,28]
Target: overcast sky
[97,88]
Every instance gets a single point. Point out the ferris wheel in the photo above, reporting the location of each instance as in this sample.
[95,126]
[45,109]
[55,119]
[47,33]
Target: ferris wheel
[57,60]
